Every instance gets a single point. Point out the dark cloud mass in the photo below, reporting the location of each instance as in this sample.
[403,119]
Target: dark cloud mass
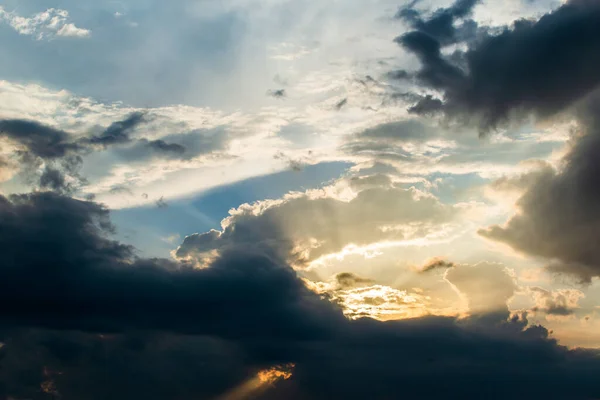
[38,139]
[71,275]
[120,321]
[560,210]
[539,67]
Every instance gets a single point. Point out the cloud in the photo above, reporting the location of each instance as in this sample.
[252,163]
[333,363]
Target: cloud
[340,104]
[436,264]
[161,203]
[562,302]
[42,146]
[38,139]
[347,280]
[441,25]
[47,25]
[487,286]
[164,147]
[52,159]
[540,67]
[303,227]
[77,278]
[278,94]
[559,216]
[427,105]
[120,317]
[118,133]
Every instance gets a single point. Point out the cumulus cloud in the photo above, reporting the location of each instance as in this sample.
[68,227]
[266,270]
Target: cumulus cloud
[562,302]
[47,25]
[303,227]
[486,286]
[540,67]
[558,215]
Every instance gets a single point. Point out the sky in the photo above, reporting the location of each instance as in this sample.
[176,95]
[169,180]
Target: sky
[299,199]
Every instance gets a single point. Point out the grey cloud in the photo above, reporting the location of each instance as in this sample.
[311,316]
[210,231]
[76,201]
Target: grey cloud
[38,139]
[436,264]
[161,203]
[118,133]
[441,25]
[294,164]
[162,146]
[427,105]
[278,94]
[75,277]
[59,155]
[53,179]
[560,216]
[341,104]
[41,144]
[120,320]
[540,67]
[561,303]
[347,280]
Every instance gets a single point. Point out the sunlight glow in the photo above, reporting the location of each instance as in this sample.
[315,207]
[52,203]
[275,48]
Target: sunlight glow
[263,380]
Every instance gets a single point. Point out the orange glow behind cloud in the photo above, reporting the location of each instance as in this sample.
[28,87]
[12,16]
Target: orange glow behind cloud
[263,380]
[272,375]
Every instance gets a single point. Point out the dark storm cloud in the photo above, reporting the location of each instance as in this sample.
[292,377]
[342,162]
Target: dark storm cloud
[540,67]
[249,311]
[560,210]
[60,271]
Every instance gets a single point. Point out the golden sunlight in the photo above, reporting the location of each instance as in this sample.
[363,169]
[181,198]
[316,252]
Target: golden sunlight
[261,382]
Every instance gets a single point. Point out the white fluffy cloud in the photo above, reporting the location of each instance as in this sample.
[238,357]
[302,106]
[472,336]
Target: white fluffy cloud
[47,25]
